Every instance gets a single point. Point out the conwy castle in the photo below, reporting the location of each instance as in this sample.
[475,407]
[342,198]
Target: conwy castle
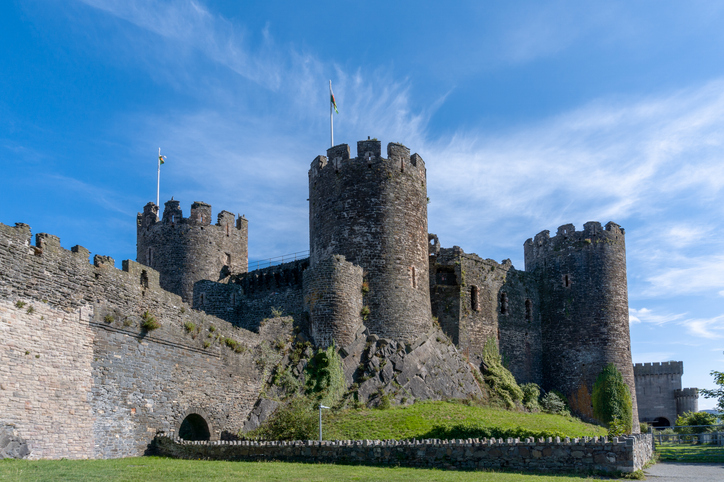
[96,361]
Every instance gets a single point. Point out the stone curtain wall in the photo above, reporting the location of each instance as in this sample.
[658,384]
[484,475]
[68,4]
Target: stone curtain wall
[656,384]
[584,309]
[247,299]
[186,250]
[45,377]
[623,454]
[333,298]
[457,278]
[373,211]
[93,383]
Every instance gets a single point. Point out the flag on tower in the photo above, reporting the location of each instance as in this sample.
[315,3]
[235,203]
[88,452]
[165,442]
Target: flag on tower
[331,98]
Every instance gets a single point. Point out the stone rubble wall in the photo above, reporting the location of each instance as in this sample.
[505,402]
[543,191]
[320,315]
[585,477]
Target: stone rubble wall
[621,454]
[80,378]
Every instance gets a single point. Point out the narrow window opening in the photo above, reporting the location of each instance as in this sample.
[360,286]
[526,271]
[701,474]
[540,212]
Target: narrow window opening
[144,279]
[202,299]
[475,298]
[227,230]
[528,310]
[233,299]
[413,273]
[227,259]
[504,303]
[173,218]
[149,257]
[567,280]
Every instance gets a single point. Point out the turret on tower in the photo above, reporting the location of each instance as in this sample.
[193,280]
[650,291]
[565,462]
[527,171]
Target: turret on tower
[187,250]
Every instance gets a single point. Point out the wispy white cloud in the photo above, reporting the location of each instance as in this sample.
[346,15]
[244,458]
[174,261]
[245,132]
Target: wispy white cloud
[706,327]
[693,275]
[645,315]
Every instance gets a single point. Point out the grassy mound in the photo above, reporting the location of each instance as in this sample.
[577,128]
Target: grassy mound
[448,420]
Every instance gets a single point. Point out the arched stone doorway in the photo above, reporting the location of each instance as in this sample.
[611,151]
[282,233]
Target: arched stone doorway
[661,422]
[194,427]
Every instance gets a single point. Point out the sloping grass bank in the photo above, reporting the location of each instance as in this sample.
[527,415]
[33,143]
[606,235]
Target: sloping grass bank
[450,420]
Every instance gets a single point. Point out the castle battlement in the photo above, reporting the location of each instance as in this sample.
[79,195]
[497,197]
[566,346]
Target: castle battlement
[187,250]
[542,246]
[660,368]
[687,393]
[200,216]
[369,152]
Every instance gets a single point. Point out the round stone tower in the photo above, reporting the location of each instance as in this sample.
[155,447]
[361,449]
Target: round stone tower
[687,400]
[584,309]
[187,250]
[373,211]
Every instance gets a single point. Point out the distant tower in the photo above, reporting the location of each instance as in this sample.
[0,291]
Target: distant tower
[186,250]
[687,400]
[373,211]
[581,278]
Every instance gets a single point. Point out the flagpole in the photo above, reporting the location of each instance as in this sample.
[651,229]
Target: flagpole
[158,178]
[331,115]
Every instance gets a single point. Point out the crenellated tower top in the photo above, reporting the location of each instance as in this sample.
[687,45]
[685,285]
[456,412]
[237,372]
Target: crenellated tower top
[187,250]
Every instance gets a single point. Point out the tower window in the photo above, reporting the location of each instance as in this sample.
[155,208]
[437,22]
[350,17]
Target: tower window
[413,274]
[202,299]
[566,281]
[528,310]
[475,298]
[227,230]
[144,279]
[149,257]
[503,303]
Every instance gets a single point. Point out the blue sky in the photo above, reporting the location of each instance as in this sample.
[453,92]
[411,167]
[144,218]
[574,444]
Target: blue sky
[529,115]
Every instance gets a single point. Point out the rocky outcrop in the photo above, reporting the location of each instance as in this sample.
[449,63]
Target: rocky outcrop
[12,446]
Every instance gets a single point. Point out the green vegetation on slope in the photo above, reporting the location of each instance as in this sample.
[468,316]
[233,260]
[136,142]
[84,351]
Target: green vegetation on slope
[160,469]
[450,420]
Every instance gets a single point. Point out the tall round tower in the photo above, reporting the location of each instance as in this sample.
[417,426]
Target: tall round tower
[187,250]
[373,211]
[584,309]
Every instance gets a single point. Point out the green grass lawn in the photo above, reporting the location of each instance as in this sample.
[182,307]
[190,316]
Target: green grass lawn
[448,420]
[690,453]
[161,469]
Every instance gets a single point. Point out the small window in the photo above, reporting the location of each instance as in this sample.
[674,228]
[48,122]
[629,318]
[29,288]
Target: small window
[503,303]
[227,230]
[202,299]
[566,280]
[528,310]
[173,218]
[413,274]
[144,279]
[475,298]
[149,257]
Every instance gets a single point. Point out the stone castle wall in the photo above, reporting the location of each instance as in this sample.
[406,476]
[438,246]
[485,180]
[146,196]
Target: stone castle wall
[373,211]
[79,378]
[476,300]
[659,394]
[186,250]
[247,299]
[620,454]
[584,308]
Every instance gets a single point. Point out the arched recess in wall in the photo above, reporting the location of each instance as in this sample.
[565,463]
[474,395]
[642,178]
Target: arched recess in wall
[195,424]
[661,422]
[194,427]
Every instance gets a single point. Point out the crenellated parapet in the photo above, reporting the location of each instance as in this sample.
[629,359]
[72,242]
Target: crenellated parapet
[538,249]
[369,155]
[188,249]
[659,368]
[373,211]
